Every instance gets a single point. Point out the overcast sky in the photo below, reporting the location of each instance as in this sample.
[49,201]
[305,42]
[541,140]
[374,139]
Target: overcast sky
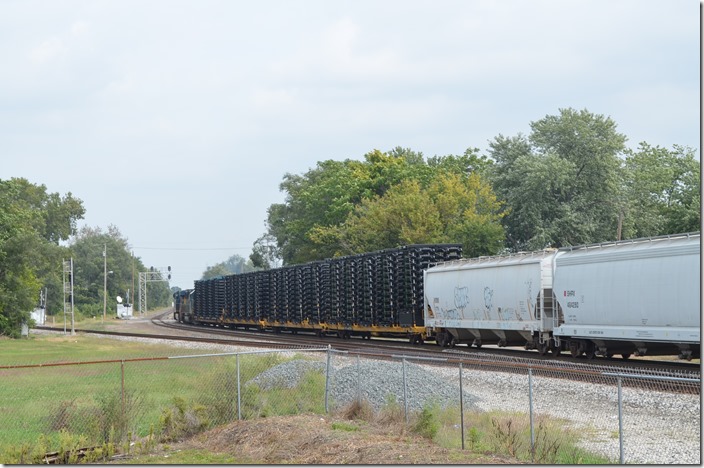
[176,120]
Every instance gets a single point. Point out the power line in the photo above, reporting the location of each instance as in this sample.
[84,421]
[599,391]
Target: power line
[190,248]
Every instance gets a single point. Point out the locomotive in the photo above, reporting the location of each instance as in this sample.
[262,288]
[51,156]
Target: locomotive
[633,297]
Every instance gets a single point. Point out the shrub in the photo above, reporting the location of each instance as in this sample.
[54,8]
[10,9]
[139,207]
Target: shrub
[426,423]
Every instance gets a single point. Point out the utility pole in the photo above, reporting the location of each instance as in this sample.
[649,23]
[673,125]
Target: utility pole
[105,279]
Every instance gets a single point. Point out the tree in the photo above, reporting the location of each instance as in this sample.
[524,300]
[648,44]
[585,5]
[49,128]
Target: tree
[470,213]
[452,209]
[265,254]
[403,215]
[233,265]
[562,184]
[307,225]
[323,196]
[89,278]
[32,222]
[662,188]
[216,270]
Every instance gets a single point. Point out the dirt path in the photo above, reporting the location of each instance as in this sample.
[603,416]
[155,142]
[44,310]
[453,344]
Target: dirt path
[312,439]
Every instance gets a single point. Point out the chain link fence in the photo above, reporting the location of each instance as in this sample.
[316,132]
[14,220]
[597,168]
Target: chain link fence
[531,410]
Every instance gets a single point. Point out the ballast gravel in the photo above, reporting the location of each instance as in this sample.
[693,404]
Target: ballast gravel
[659,427]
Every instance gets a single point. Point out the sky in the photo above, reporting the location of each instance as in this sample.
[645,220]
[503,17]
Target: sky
[176,121]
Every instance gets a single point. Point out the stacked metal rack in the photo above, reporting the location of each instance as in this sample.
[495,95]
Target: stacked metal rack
[370,292]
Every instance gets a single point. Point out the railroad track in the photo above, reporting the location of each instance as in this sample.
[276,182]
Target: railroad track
[495,359]
[429,349]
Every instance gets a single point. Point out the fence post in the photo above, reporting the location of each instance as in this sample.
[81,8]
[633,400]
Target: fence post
[405,398]
[461,407]
[359,395]
[122,371]
[327,379]
[239,400]
[530,404]
[620,422]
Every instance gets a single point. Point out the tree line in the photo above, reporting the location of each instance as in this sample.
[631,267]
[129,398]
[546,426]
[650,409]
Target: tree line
[33,225]
[571,181]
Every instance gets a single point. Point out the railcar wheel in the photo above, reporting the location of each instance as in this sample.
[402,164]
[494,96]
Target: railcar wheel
[477,343]
[575,349]
[416,339]
[590,353]
[543,349]
[625,356]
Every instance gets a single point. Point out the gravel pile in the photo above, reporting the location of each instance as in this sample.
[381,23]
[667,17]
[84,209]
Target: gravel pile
[380,382]
[287,374]
[376,382]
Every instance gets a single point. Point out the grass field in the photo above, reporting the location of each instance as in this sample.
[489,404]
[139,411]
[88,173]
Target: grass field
[104,400]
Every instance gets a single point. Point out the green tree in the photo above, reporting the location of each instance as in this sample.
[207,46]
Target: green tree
[323,196]
[233,265]
[662,188]
[452,209]
[403,215]
[265,253]
[562,184]
[307,226]
[470,213]
[87,249]
[216,270]
[32,222]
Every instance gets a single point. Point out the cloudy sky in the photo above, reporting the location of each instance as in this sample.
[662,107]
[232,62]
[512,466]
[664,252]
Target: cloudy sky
[176,120]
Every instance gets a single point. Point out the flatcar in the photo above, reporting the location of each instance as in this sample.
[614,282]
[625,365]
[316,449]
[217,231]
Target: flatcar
[372,294]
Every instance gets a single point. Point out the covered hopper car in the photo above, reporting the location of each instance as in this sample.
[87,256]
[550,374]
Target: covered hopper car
[637,297]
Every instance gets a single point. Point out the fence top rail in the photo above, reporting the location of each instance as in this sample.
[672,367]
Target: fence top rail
[419,358]
[80,363]
[239,353]
[651,377]
[154,358]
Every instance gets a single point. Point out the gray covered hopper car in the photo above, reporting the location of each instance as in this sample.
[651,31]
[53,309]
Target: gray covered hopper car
[492,300]
[631,297]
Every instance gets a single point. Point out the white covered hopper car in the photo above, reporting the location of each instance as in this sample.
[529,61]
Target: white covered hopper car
[630,297]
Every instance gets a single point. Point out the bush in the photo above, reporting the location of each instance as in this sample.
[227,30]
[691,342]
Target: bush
[426,423]
[182,420]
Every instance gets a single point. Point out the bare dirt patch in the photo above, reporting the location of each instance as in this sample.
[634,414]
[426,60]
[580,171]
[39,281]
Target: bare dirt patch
[312,439]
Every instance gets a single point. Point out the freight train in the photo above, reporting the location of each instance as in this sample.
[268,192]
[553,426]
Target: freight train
[634,297]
